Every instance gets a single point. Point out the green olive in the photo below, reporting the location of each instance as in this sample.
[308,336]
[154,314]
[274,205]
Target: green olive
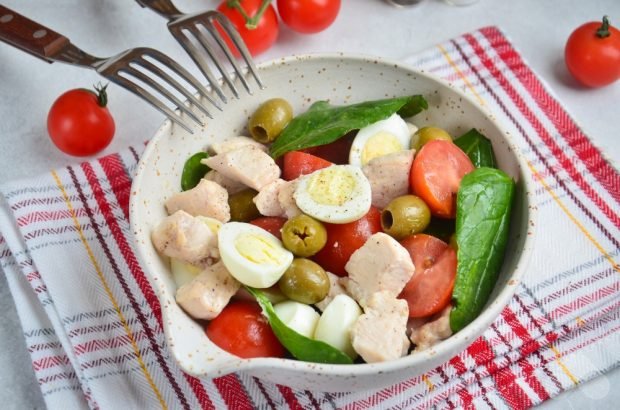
[269,120]
[404,216]
[305,281]
[426,134]
[242,208]
[303,235]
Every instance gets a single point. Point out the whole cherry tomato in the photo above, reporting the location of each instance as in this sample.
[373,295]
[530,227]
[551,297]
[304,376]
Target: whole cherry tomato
[79,122]
[257,39]
[592,54]
[241,329]
[344,239]
[308,16]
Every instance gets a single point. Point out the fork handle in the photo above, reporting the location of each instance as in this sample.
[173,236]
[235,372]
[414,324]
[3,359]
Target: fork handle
[29,35]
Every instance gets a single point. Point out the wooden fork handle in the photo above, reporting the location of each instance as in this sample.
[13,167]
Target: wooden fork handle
[29,35]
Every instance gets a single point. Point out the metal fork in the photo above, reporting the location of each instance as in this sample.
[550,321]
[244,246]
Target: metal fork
[50,46]
[190,31]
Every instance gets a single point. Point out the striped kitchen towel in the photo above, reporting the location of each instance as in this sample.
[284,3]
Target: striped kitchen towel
[92,322]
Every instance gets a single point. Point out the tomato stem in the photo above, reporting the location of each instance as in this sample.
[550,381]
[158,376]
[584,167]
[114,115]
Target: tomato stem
[250,22]
[102,95]
[603,30]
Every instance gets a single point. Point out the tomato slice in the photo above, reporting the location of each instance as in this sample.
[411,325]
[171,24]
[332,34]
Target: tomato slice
[297,163]
[430,288]
[436,174]
[344,239]
[241,329]
[272,224]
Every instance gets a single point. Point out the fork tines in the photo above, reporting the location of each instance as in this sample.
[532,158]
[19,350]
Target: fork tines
[193,30]
[153,69]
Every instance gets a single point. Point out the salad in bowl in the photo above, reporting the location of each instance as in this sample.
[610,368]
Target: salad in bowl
[314,238]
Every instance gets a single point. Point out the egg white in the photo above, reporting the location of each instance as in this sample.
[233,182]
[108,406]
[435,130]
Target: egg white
[336,194]
[378,139]
[334,326]
[252,255]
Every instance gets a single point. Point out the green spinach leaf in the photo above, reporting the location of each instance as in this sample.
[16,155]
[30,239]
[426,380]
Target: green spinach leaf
[483,206]
[323,123]
[193,171]
[301,347]
[478,148]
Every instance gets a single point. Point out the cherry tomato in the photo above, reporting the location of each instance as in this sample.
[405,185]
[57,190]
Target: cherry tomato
[258,39]
[436,174]
[308,16]
[272,224]
[592,54]
[242,330]
[336,152]
[297,163]
[430,288]
[344,239]
[79,122]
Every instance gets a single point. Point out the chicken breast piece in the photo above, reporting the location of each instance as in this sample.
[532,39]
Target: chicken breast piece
[230,185]
[206,295]
[389,176]
[428,334]
[335,289]
[287,201]
[246,164]
[267,201]
[185,237]
[381,264]
[206,199]
[380,333]
[233,143]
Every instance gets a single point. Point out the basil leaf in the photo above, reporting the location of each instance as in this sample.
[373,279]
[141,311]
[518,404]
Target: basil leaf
[193,171]
[478,148]
[483,206]
[323,123]
[301,347]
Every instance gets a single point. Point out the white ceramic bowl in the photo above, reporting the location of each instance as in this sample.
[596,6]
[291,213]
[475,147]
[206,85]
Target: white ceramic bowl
[302,80]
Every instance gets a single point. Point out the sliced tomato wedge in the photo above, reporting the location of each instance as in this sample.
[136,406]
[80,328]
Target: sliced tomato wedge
[430,288]
[436,174]
[336,152]
[298,163]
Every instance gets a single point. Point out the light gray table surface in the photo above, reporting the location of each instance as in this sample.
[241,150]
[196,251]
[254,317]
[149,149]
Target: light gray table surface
[28,86]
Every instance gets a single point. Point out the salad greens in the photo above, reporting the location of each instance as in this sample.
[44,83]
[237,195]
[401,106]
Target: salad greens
[478,148]
[323,123]
[483,205]
[301,347]
[193,171]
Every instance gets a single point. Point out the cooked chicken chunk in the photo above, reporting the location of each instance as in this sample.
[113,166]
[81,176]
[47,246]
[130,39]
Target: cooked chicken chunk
[389,176]
[380,333]
[206,295]
[335,289]
[381,264]
[233,143]
[230,185]
[267,201]
[246,164]
[206,199]
[185,237]
[430,333]
[287,201]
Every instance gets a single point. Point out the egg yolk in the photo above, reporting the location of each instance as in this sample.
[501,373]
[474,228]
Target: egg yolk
[331,186]
[382,143]
[259,249]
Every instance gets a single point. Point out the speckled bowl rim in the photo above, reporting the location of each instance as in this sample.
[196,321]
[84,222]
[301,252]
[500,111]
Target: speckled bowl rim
[417,360]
